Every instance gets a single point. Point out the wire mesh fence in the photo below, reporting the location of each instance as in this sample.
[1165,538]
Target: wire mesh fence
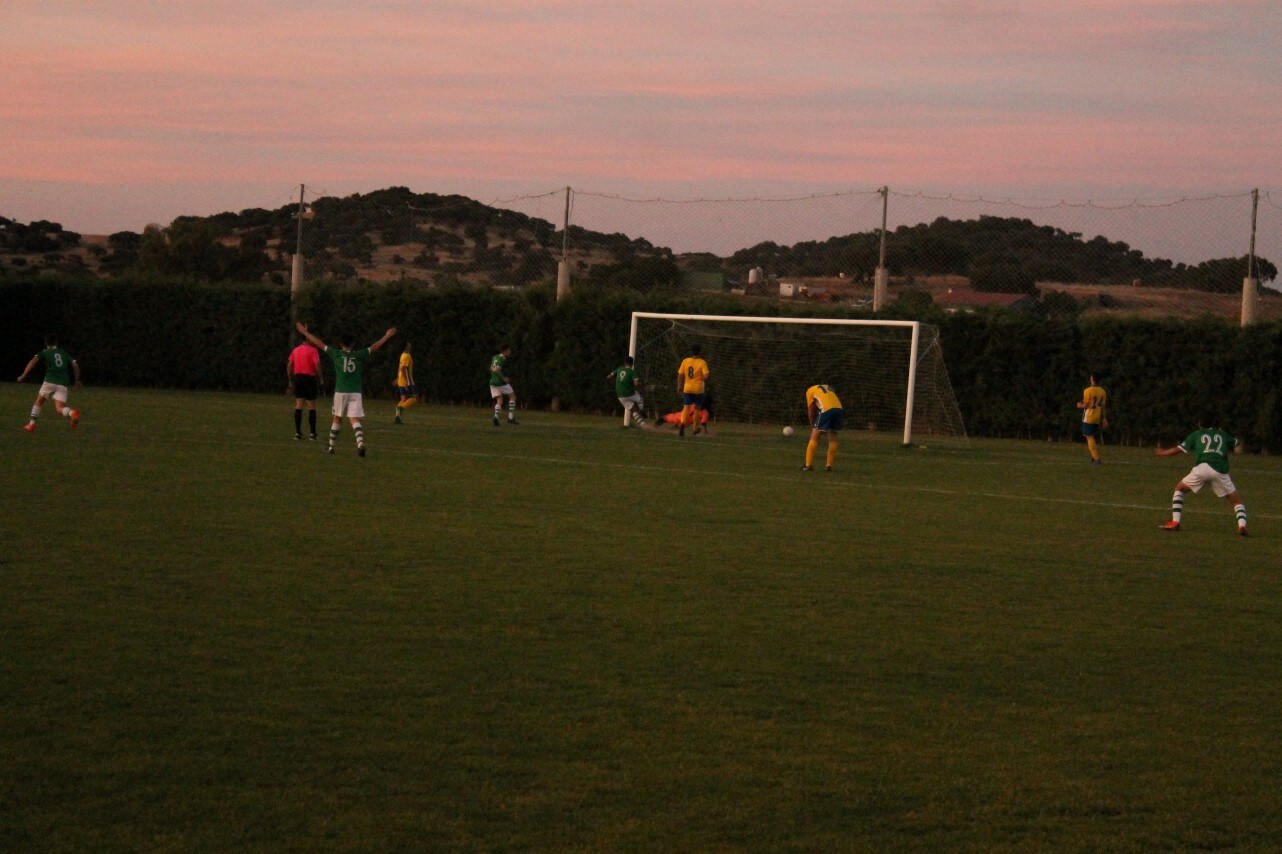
[1182,257]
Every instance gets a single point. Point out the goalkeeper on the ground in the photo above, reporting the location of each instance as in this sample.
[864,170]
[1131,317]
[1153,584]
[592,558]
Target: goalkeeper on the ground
[823,408]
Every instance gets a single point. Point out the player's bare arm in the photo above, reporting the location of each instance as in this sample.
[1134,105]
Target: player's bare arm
[31,366]
[1169,452]
[387,336]
[302,329]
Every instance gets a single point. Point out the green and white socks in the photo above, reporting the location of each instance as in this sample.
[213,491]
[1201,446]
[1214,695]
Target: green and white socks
[1177,510]
[360,436]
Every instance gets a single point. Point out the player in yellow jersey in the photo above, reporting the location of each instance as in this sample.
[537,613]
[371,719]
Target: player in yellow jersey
[691,379]
[406,390]
[1093,420]
[823,408]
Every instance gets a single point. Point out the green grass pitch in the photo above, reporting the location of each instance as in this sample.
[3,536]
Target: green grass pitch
[569,636]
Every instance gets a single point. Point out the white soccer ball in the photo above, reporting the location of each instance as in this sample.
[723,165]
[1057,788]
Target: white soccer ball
[788,431]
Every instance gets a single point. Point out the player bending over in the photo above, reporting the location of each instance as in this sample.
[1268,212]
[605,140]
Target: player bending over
[823,408]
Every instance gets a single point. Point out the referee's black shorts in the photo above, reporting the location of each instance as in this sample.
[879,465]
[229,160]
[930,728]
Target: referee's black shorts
[305,386]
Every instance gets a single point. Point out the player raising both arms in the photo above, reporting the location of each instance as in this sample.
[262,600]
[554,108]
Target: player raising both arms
[59,367]
[349,375]
[691,379]
[823,409]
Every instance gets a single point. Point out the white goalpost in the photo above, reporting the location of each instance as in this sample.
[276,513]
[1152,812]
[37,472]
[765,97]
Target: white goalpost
[890,374]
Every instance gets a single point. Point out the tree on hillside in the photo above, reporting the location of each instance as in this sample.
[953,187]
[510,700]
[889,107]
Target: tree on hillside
[40,236]
[193,247]
[122,252]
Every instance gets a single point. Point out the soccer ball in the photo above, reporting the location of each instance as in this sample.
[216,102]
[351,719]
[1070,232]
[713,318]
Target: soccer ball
[788,431]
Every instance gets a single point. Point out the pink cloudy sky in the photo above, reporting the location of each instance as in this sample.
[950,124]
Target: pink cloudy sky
[116,114]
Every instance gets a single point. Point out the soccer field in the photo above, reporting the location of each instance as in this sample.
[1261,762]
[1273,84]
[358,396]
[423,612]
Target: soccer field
[565,635]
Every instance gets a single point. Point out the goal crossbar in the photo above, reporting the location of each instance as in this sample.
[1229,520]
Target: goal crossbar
[913,325]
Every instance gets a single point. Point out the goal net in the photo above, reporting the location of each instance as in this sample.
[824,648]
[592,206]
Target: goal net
[889,374]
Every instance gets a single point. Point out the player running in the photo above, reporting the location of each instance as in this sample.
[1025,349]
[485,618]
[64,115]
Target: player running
[823,409]
[627,387]
[501,385]
[1210,448]
[406,390]
[59,367]
[1093,420]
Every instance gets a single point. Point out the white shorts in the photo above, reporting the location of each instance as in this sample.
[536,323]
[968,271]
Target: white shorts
[49,391]
[500,390]
[1202,474]
[347,404]
[632,399]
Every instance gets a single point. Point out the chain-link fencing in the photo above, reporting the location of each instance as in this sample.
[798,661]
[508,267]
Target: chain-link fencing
[1183,257]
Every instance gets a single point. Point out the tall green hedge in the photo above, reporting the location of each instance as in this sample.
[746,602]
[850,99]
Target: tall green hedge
[1014,375]
[144,332]
[1020,376]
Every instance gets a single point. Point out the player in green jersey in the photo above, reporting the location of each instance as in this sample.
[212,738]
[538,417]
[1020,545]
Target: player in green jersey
[627,385]
[349,375]
[59,368]
[501,385]
[1210,448]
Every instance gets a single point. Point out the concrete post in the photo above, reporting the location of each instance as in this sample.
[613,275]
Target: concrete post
[1250,295]
[879,287]
[562,280]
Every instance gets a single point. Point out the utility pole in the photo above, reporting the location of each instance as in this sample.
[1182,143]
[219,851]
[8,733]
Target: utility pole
[563,268]
[881,279]
[1251,284]
[296,279]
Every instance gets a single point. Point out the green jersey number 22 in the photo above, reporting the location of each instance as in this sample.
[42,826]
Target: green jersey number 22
[1213,439]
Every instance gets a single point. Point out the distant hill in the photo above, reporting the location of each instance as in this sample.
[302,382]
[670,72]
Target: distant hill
[382,236]
[1011,253]
[396,234]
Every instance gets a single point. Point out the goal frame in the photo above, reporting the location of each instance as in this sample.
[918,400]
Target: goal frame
[913,325]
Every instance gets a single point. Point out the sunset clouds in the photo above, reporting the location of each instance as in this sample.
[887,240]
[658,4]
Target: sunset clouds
[116,114]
